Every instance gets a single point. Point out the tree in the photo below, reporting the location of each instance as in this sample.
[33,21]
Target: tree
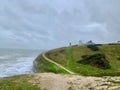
[90,42]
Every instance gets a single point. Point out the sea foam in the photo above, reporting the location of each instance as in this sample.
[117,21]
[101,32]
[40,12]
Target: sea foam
[17,63]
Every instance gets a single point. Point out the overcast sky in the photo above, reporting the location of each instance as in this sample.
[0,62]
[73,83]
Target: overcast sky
[44,24]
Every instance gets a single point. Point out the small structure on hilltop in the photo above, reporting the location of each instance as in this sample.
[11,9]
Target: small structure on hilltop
[70,44]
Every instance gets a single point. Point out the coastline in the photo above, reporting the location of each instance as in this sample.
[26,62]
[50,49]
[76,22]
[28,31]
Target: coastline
[59,79]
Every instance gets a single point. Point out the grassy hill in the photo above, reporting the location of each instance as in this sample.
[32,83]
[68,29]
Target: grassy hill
[70,57]
[41,65]
[88,60]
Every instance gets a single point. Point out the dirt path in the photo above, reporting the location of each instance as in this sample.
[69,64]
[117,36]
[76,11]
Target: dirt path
[70,72]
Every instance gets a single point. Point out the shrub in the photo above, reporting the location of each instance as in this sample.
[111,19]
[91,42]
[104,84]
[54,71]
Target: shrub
[74,45]
[98,44]
[93,47]
[55,54]
[118,58]
[62,51]
[96,60]
[114,44]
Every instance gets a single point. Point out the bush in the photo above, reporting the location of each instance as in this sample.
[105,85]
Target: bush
[114,44]
[62,51]
[118,58]
[74,45]
[93,47]
[96,60]
[98,44]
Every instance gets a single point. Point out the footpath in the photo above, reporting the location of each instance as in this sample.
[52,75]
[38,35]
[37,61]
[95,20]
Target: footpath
[49,60]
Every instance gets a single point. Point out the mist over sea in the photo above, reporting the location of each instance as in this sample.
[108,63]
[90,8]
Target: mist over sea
[17,61]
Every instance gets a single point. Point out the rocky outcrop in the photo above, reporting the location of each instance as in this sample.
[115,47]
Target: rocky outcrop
[50,81]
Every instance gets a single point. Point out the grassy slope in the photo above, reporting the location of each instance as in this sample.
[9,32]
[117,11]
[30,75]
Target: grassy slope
[41,65]
[69,56]
[17,83]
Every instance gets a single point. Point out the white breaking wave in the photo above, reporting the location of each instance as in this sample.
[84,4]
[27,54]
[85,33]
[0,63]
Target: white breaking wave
[4,57]
[15,65]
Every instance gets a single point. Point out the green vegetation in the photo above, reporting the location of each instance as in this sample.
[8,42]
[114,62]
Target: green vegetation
[93,47]
[118,58]
[17,83]
[43,65]
[70,56]
[96,60]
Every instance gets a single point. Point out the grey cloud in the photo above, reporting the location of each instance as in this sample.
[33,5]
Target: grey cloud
[54,23]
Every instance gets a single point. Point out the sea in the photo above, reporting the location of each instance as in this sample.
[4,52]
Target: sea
[17,61]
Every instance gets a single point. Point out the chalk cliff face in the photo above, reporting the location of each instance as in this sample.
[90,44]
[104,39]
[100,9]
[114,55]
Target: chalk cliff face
[44,22]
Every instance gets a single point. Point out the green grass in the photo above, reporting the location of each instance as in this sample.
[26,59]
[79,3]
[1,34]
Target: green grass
[71,55]
[45,66]
[17,83]
[69,58]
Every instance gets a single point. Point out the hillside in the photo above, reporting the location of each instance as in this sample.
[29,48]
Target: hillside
[65,60]
[71,58]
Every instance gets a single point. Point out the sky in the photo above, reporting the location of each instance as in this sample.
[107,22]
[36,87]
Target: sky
[46,24]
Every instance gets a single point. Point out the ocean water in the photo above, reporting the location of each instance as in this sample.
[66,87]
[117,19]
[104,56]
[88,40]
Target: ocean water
[17,61]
